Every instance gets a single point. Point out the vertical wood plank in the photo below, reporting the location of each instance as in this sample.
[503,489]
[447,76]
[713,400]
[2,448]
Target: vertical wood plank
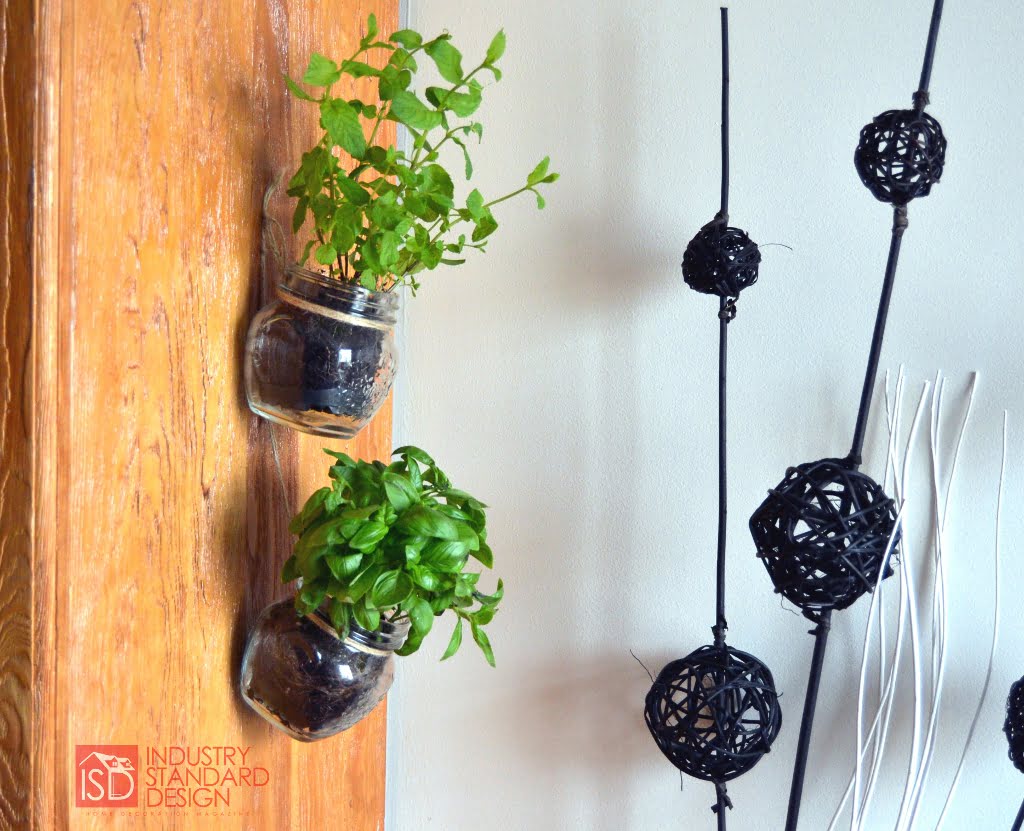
[143,510]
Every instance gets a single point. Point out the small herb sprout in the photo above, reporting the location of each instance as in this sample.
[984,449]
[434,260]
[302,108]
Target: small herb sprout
[392,542]
[388,216]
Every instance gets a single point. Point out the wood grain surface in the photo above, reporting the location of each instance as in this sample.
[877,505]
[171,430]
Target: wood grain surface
[143,509]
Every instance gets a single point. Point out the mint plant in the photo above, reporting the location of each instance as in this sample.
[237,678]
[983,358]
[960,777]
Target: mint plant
[393,542]
[387,216]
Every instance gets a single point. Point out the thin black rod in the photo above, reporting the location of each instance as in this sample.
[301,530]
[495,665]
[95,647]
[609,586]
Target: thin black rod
[807,722]
[899,225]
[929,53]
[724,316]
[1017,823]
[720,811]
[725,112]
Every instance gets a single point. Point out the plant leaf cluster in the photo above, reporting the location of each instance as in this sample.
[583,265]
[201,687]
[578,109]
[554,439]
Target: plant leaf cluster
[393,542]
[388,215]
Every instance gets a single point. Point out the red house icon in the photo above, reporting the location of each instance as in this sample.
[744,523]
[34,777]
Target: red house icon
[106,775]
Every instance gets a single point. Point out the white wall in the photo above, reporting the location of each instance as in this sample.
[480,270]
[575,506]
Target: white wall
[568,378]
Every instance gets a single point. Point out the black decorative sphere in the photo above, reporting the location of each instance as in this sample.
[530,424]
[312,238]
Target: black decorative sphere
[721,260]
[1013,727]
[900,155]
[714,713]
[822,534]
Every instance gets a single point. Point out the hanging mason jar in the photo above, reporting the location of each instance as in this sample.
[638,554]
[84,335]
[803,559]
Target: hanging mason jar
[321,357]
[305,679]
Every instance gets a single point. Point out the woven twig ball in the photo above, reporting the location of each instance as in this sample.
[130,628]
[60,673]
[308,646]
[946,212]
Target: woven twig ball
[714,713]
[1013,727]
[900,155]
[822,534]
[721,260]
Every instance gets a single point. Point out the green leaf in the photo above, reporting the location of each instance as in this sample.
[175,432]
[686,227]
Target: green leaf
[409,452]
[326,254]
[299,217]
[390,589]
[447,556]
[484,555]
[359,69]
[455,642]
[407,38]
[368,536]
[297,91]
[485,226]
[388,250]
[310,511]
[321,72]
[540,200]
[480,636]
[290,570]
[496,49]
[368,619]
[465,155]
[399,490]
[345,566]
[343,126]
[424,577]
[353,191]
[371,32]
[341,617]
[427,522]
[447,58]
[420,615]
[409,110]
[539,172]
[475,204]
[311,596]
[364,581]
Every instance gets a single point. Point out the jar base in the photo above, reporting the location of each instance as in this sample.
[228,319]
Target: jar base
[272,719]
[309,421]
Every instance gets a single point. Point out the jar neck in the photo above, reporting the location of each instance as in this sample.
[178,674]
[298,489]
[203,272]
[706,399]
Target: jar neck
[388,638]
[337,298]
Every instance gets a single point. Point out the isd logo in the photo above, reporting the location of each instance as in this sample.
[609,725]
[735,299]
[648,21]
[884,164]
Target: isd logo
[106,775]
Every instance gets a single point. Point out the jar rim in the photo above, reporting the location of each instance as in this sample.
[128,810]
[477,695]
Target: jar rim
[389,637]
[340,295]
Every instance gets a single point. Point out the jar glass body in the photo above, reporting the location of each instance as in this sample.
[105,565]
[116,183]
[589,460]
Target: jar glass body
[306,680]
[321,357]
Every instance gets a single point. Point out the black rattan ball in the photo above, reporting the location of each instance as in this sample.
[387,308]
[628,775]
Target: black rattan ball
[822,533]
[900,155]
[721,260]
[1013,727]
[714,713]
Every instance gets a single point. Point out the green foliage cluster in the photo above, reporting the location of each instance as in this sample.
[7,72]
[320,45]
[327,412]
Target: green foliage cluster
[393,215]
[393,542]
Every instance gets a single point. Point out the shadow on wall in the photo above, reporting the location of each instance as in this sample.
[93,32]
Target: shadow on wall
[583,714]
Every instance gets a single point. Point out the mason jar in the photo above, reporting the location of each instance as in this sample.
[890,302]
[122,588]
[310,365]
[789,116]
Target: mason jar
[300,675]
[321,357]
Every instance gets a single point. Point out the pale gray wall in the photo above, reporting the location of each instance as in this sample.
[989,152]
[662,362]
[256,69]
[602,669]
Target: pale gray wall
[568,378]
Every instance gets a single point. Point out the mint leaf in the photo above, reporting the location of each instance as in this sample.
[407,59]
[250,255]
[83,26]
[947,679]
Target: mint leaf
[496,49]
[343,126]
[409,110]
[321,72]
[407,38]
[455,642]
[447,58]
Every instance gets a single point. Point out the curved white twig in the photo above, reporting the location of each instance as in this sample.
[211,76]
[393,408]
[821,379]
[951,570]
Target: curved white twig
[995,639]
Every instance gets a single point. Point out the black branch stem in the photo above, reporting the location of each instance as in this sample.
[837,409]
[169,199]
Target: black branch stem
[899,225]
[921,99]
[725,114]
[803,747]
[1019,822]
[726,310]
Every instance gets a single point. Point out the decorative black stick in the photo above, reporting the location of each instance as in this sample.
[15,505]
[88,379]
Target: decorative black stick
[824,533]
[1019,822]
[715,713]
